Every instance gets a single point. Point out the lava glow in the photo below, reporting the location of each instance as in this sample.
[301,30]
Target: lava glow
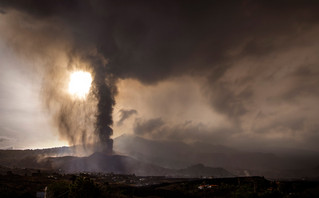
[80,84]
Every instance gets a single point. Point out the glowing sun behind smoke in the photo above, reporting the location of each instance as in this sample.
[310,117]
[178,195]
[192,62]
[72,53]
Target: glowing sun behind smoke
[80,84]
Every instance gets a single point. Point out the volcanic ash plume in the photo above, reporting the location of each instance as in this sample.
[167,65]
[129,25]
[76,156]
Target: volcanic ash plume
[104,92]
[83,121]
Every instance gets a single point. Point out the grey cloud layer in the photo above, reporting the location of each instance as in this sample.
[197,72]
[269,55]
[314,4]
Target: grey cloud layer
[125,114]
[154,40]
[257,57]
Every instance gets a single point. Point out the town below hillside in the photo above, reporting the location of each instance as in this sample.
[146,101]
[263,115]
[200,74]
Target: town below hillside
[15,182]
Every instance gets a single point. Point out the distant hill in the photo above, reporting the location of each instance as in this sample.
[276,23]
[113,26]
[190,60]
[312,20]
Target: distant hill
[199,170]
[172,154]
[150,157]
[178,155]
[100,162]
[118,164]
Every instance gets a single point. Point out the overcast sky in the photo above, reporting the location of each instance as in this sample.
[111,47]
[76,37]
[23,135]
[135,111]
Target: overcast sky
[238,73]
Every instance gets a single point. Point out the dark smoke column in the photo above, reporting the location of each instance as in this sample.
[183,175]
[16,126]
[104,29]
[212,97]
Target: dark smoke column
[104,92]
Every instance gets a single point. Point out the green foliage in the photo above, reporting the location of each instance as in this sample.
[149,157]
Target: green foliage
[81,187]
[58,189]
[244,191]
[272,194]
[84,188]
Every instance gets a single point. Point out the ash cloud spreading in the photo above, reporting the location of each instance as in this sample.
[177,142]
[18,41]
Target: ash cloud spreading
[125,114]
[104,91]
[90,121]
[238,47]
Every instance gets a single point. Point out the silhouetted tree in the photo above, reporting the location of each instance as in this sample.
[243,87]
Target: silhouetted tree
[84,188]
[58,189]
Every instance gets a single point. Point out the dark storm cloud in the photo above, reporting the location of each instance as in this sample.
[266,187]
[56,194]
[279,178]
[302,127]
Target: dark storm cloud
[142,127]
[4,139]
[239,47]
[6,142]
[305,82]
[154,40]
[158,129]
[125,114]
[226,101]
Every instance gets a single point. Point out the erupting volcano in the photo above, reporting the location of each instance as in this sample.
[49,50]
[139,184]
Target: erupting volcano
[79,87]
[185,74]
[105,94]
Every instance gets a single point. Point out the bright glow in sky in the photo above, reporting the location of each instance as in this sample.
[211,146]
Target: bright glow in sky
[80,84]
[256,89]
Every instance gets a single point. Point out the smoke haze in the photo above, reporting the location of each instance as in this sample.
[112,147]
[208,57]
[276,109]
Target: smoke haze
[239,73]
